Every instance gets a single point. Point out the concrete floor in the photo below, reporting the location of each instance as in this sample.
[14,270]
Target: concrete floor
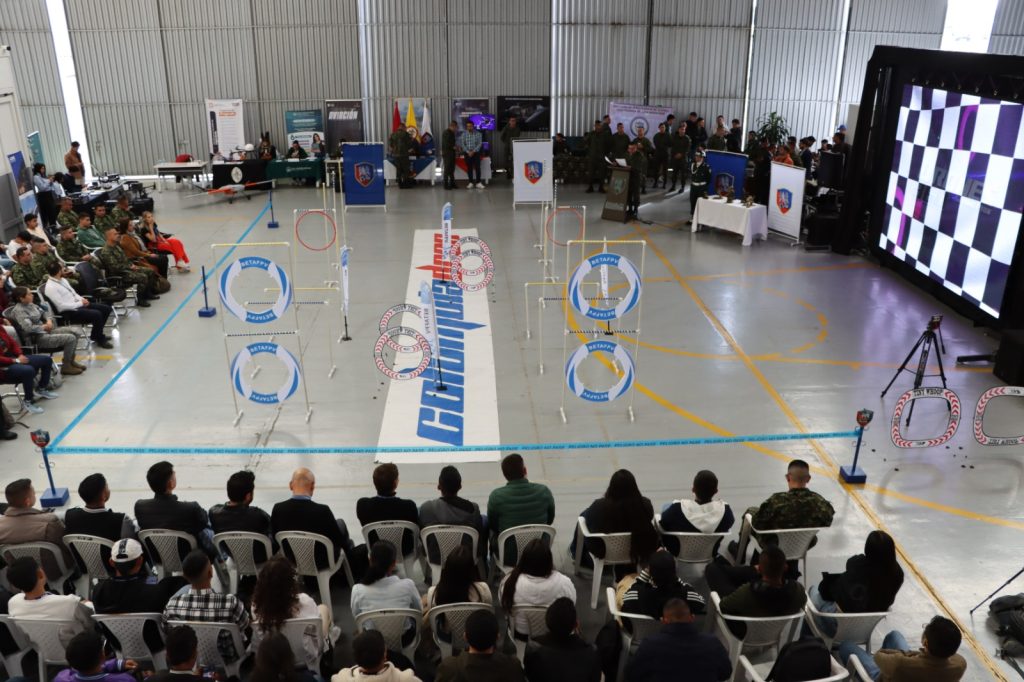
[766,339]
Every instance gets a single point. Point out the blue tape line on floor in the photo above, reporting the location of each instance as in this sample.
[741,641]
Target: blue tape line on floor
[159,330]
[507,447]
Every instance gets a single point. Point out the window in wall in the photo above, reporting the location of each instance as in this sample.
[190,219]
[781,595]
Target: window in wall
[68,77]
[968,25]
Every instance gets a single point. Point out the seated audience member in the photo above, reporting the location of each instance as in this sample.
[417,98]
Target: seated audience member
[380,588]
[459,582]
[386,505]
[936,661]
[22,239]
[70,249]
[481,662]
[22,522]
[38,328]
[200,603]
[561,655]
[74,308]
[518,502]
[35,603]
[450,509]
[656,585]
[266,151]
[122,210]
[88,662]
[275,662]
[90,233]
[95,518]
[702,514]
[534,582]
[115,263]
[277,598]
[18,368]
[371,656]
[67,215]
[133,247]
[622,509]
[33,227]
[238,514]
[181,653]
[156,241]
[770,594]
[869,583]
[295,151]
[301,513]
[23,274]
[166,512]
[677,648]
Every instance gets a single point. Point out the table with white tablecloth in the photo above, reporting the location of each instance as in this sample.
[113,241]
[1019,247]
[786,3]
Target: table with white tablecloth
[732,217]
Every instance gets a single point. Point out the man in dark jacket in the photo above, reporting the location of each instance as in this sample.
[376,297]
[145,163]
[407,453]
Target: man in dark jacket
[702,514]
[662,147]
[680,157]
[450,509]
[596,144]
[387,505]
[679,651]
[734,140]
[619,143]
[561,655]
[95,518]
[302,513]
[768,595]
[519,501]
[238,514]
[481,662]
[448,154]
[166,512]
[182,654]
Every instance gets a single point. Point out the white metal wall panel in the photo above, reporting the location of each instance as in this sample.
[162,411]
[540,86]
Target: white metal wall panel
[1007,45]
[600,11]
[1008,28]
[25,27]
[859,47]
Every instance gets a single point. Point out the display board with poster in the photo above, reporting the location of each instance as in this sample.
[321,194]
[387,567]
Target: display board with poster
[533,113]
[475,109]
[363,176]
[786,199]
[632,116]
[533,179]
[728,171]
[305,126]
[344,123]
[35,147]
[225,126]
[23,181]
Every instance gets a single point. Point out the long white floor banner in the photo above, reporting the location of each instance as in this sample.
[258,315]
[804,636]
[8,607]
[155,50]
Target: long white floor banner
[416,413]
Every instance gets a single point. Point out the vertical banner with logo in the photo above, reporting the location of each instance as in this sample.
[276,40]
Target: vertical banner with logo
[23,180]
[632,116]
[728,169]
[533,182]
[225,126]
[35,147]
[446,235]
[364,173]
[302,124]
[344,122]
[786,199]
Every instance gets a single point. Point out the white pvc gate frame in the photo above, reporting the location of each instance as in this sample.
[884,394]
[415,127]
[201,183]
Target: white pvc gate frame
[269,334]
[547,241]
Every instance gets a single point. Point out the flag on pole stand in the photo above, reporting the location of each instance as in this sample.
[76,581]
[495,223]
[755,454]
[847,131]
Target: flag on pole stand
[446,239]
[430,329]
[396,119]
[345,251]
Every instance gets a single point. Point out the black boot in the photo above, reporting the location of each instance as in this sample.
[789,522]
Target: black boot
[7,435]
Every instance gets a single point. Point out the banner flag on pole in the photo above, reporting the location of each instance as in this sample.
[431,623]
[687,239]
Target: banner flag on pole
[728,169]
[410,120]
[429,316]
[446,235]
[425,127]
[345,251]
[396,118]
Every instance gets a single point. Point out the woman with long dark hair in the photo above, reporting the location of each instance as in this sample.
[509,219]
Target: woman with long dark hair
[275,662]
[869,583]
[277,598]
[622,510]
[380,588]
[534,582]
[459,581]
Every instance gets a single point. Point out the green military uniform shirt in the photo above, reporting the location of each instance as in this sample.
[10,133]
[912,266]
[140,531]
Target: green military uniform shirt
[645,144]
[638,164]
[619,143]
[509,134]
[717,143]
[400,142]
[72,250]
[68,219]
[25,276]
[103,224]
[448,146]
[595,143]
[117,215]
[662,145]
[681,145]
[797,508]
[117,264]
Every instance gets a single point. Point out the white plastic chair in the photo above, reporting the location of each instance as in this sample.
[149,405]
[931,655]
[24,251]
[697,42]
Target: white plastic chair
[639,626]
[522,535]
[44,636]
[208,635]
[447,538]
[127,632]
[695,549]
[762,633]
[850,627]
[240,548]
[13,661]
[87,551]
[393,625]
[751,675]
[302,548]
[162,547]
[616,552]
[297,631]
[396,533]
[794,542]
[36,550]
[857,671]
[536,626]
[451,620]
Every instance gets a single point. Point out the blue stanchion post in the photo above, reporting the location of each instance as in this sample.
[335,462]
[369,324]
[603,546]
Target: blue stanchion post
[853,474]
[206,310]
[52,496]
[273,224]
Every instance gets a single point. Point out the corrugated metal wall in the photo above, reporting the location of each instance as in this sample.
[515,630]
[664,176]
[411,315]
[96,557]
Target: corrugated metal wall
[25,27]
[1008,28]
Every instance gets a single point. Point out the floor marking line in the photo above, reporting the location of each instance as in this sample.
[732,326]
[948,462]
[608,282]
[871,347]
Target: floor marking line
[780,271]
[145,346]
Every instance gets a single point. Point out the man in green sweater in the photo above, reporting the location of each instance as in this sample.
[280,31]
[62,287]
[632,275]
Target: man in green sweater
[518,502]
[89,236]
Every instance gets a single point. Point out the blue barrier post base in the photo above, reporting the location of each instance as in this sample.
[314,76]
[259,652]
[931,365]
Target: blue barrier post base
[207,312]
[852,474]
[54,497]
[273,224]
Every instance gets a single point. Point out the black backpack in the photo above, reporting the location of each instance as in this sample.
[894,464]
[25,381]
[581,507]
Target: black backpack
[805,659]
[1008,614]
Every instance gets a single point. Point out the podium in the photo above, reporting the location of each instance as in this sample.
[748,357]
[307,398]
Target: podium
[616,195]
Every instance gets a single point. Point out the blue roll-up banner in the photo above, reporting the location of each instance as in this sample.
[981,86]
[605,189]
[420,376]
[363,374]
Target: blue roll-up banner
[364,173]
[728,169]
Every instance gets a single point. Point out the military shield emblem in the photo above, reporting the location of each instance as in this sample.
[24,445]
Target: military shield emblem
[724,182]
[364,172]
[784,200]
[533,170]
[618,185]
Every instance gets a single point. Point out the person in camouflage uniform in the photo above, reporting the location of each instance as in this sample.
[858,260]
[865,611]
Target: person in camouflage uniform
[116,264]
[680,160]
[511,132]
[42,255]
[70,249]
[401,143]
[718,142]
[662,148]
[448,154]
[644,146]
[102,221]
[67,215]
[22,273]
[595,142]
[637,161]
[122,210]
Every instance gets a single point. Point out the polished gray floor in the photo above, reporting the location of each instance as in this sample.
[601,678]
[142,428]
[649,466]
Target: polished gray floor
[760,340]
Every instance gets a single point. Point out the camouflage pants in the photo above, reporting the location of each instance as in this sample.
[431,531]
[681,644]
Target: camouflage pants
[143,278]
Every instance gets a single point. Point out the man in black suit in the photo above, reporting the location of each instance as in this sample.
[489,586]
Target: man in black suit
[165,511]
[238,514]
[303,514]
[95,518]
[182,654]
[386,505]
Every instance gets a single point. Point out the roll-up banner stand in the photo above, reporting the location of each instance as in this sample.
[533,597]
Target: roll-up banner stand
[363,174]
[225,126]
[533,182]
[786,199]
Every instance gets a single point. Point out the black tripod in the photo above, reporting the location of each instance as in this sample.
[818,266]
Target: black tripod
[1001,587]
[925,342]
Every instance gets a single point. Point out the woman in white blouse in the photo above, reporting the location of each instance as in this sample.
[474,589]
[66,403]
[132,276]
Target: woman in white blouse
[534,582]
[277,598]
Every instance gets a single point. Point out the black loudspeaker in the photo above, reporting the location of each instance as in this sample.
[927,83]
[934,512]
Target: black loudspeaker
[820,229]
[1010,358]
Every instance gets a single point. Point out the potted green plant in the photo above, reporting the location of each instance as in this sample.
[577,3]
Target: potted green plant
[772,128]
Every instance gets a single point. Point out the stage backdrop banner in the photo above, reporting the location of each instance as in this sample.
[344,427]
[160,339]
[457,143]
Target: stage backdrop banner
[534,172]
[344,122]
[302,124]
[786,199]
[632,116]
[364,173]
[533,114]
[225,126]
[728,169]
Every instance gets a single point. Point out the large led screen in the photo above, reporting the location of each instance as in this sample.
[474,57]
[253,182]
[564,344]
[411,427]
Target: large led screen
[956,191]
